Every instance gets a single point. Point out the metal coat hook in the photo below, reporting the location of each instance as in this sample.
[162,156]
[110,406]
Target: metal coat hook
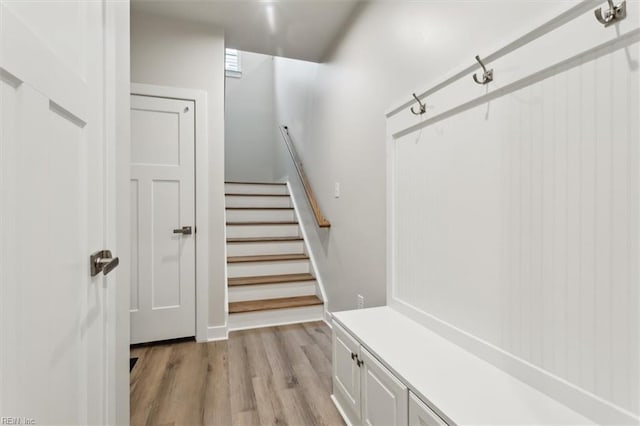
[613,15]
[423,107]
[487,75]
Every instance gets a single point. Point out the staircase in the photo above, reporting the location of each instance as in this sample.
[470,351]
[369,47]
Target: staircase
[270,277]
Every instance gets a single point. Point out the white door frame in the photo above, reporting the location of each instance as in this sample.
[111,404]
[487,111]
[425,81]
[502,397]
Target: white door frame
[199,97]
[118,129]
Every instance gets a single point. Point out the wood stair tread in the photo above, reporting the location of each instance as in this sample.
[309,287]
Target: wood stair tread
[243,194]
[263,239]
[270,279]
[257,183]
[287,222]
[271,304]
[259,208]
[267,258]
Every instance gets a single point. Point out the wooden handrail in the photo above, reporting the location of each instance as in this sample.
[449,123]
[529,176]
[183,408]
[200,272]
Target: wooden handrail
[320,219]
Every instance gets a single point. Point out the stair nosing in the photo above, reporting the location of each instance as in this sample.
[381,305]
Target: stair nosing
[263,223]
[268,258]
[316,302]
[259,208]
[257,183]
[234,194]
[292,279]
[263,240]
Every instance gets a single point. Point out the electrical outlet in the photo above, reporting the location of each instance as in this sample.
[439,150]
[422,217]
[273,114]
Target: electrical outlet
[360,301]
[336,190]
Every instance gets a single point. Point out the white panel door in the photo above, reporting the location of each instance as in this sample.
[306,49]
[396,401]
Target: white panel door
[56,321]
[162,205]
[346,373]
[384,397]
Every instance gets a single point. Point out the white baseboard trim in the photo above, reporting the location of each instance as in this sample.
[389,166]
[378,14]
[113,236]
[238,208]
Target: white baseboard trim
[574,397]
[310,252]
[328,319]
[220,332]
[341,411]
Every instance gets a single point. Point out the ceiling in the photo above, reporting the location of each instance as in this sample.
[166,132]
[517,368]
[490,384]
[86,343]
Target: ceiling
[299,29]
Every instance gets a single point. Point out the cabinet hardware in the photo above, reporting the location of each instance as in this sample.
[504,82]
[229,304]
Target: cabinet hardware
[353,356]
[360,363]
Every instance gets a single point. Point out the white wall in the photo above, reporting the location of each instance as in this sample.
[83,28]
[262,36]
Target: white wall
[335,112]
[250,121]
[476,207]
[187,55]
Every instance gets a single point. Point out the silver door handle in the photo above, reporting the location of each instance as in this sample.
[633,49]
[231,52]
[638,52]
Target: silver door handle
[185,230]
[103,261]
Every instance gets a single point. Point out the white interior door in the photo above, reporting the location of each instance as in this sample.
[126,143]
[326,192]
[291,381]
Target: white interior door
[162,219]
[56,322]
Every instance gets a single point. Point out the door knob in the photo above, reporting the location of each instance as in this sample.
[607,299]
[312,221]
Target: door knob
[185,230]
[103,261]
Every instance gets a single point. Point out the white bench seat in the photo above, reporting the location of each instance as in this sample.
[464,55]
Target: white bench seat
[460,387]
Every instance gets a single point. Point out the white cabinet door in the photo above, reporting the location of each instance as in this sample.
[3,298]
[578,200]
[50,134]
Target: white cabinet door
[346,373]
[162,204]
[384,397]
[421,415]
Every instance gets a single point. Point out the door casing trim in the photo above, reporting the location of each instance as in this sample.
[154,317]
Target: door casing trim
[199,97]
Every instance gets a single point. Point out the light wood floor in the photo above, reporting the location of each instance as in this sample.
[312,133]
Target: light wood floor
[268,376]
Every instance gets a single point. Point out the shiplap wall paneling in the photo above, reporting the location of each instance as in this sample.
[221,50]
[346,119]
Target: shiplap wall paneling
[517,221]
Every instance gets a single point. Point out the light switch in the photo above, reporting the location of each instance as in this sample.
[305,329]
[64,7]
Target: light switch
[336,190]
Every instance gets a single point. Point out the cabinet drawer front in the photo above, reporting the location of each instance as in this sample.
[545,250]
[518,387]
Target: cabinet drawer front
[384,397]
[346,373]
[421,415]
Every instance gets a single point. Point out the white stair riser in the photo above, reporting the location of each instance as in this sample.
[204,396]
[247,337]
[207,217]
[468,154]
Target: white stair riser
[260,215]
[246,188]
[240,293]
[251,269]
[259,231]
[270,318]
[257,201]
[255,249]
